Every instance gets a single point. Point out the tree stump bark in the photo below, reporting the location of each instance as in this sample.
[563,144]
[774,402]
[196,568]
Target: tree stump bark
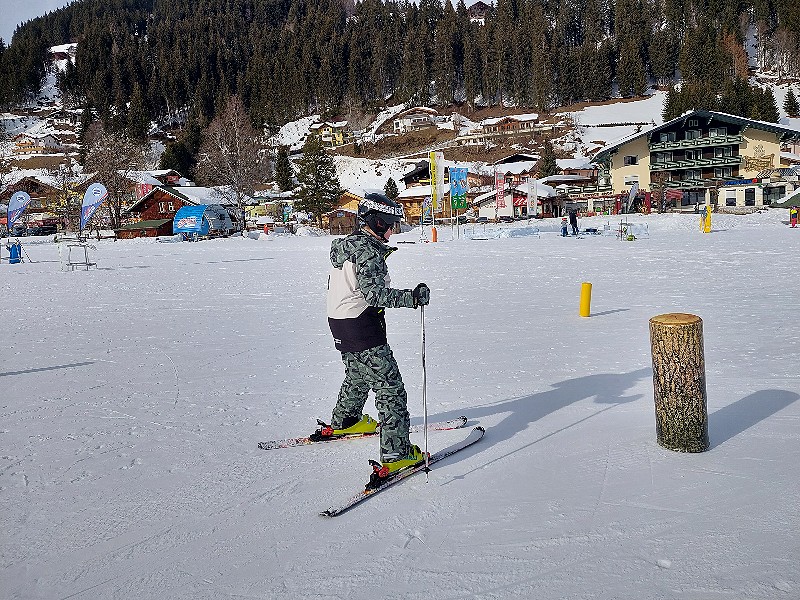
[679,382]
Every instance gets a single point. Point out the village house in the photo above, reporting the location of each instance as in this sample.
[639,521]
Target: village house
[153,214]
[701,157]
[47,199]
[477,12]
[37,143]
[517,168]
[332,134]
[415,119]
[64,51]
[510,124]
[528,200]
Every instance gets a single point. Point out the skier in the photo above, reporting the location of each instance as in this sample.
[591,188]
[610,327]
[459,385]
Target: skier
[573,220]
[358,292]
[564,227]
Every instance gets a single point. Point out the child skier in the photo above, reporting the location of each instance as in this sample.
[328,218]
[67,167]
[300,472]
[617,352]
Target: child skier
[358,292]
[564,227]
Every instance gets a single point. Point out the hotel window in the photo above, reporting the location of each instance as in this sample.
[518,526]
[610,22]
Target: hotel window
[730,198]
[692,122]
[718,132]
[722,172]
[692,154]
[693,174]
[631,160]
[667,137]
[692,134]
[723,151]
[662,157]
[631,179]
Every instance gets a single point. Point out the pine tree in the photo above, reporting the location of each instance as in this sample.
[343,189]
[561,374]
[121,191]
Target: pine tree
[547,162]
[391,189]
[284,174]
[319,189]
[138,122]
[790,104]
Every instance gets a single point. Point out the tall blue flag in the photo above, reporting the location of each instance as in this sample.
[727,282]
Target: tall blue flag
[458,187]
[16,206]
[93,198]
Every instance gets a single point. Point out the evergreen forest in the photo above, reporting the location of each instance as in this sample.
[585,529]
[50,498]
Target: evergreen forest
[178,60]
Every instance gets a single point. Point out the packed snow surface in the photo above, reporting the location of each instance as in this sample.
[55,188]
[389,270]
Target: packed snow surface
[133,396]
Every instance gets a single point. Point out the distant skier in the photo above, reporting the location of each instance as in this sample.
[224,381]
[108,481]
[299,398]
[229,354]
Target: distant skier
[564,227]
[358,292]
[573,220]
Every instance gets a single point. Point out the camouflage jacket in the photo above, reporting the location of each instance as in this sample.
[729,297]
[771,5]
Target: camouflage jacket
[359,289]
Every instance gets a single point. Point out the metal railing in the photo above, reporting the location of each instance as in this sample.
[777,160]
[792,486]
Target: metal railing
[701,142]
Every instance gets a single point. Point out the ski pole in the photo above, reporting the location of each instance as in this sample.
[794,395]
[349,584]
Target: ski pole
[424,393]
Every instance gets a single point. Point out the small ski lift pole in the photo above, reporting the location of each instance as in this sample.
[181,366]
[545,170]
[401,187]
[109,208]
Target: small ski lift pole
[424,393]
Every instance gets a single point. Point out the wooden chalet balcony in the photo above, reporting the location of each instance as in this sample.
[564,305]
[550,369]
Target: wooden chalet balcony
[717,161]
[701,142]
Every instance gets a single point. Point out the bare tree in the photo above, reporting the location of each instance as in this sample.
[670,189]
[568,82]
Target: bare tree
[114,159]
[67,204]
[232,156]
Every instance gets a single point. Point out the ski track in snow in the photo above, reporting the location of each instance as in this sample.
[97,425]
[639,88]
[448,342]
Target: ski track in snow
[133,396]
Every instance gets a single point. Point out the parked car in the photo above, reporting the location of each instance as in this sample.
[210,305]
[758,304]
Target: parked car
[43,230]
[506,219]
[482,220]
[19,231]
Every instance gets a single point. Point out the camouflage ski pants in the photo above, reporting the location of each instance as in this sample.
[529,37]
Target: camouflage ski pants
[376,369]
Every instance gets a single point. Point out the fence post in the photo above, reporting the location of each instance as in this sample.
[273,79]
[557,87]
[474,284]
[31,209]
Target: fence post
[679,382]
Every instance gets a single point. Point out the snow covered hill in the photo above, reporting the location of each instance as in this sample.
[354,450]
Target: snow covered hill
[133,397]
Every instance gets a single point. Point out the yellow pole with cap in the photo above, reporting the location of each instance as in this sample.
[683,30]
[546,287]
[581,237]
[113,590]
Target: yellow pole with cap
[586,299]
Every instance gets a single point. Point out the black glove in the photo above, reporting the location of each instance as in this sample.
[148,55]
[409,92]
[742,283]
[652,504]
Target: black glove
[421,295]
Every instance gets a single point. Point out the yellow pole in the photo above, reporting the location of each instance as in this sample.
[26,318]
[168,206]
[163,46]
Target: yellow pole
[586,299]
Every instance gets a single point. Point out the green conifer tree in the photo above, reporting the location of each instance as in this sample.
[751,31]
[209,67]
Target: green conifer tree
[790,104]
[284,174]
[391,189]
[319,190]
[547,162]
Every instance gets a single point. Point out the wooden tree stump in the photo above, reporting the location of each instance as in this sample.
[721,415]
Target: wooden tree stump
[679,382]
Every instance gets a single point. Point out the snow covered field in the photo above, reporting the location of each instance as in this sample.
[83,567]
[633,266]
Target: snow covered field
[133,397]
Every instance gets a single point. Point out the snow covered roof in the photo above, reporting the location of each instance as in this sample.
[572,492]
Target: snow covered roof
[193,195]
[416,191]
[521,118]
[64,49]
[574,163]
[332,124]
[516,168]
[782,132]
[417,109]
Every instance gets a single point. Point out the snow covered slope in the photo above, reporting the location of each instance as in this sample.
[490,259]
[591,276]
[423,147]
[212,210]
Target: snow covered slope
[133,397]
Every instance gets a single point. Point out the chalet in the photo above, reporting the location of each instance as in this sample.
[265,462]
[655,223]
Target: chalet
[517,168]
[510,124]
[35,143]
[152,215]
[64,51]
[46,196]
[341,221]
[415,119]
[520,201]
[478,11]
[419,175]
[701,157]
[332,134]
